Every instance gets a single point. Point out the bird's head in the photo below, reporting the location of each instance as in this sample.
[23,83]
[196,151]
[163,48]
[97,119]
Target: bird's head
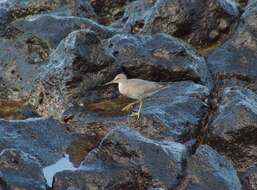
[119,78]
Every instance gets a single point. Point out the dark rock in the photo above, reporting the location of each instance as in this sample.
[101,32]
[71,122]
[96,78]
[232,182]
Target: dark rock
[21,8]
[208,170]
[52,29]
[31,42]
[77,65]
[127,160]
[173,113]
[45,139]
[20,171]
[200,23]
[249,178]
[109,10]
[158,57]
[237,57]
[232,128]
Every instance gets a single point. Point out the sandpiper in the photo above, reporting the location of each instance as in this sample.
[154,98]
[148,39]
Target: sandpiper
[136,89]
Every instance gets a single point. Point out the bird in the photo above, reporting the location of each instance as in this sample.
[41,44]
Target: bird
[137,89]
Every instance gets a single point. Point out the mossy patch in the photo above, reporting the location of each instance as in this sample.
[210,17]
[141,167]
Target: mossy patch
[110,107]
[8,109]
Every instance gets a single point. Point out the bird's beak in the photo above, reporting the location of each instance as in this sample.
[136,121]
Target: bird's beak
[111,82]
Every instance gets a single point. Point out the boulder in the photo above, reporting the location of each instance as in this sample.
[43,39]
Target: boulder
[43,138]
[27,45]
[127,160]
[208,170]
[78,64]
[20,171]
[15,9]
[158,57]
[174,113]
[200,23]
[237,57]
[232,127]
[249,178]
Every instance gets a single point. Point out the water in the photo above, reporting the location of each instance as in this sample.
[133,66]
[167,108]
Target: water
[61,165]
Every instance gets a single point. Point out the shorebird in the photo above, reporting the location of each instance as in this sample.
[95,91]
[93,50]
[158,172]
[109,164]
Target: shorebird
[136,89]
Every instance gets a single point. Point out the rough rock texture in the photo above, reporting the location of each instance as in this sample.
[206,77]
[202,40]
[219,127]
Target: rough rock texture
[238,56]
[108,10]
[249,178]
[173,113]
[200,23]
[127,160]
[14,9]
[159,57]
[232,128]
[207,170]
[78,64]
[20,171]
[27,45]
[45,139]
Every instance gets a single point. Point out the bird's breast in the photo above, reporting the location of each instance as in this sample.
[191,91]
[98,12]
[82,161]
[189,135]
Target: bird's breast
[125,90]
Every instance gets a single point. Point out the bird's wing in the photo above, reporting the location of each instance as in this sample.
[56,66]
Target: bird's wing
[145,87]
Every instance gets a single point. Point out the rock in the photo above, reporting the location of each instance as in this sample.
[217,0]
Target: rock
[43,138]
[78,64]
[127,160]
[52,29]
[21,8]
[108,11]
[200,23]
[158,57]
[237,57]
[174,113]
[31,41]
[232,128]
[249,178]
[20,171]
[208,170]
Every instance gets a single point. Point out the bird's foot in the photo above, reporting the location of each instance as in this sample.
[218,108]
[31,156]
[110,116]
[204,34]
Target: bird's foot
[135,114]
[129,106]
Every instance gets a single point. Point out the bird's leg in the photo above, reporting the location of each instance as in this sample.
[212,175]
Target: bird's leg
[137,114]
[128,107]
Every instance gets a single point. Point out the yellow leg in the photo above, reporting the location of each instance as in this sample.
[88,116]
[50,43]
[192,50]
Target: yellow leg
[128,107]
[137,114]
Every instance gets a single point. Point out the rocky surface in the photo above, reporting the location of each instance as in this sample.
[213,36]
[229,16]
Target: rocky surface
[200,23]
[46,139]
[237,57]
[234,120]
[56,57]
[249,178]
[127,160]
[19,170]
[206,169]
[159,57]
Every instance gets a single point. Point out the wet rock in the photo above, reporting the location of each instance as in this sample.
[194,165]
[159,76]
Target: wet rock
[78,64]
[158,57]
[232,128]
[237,57]
[249,178]
[127,160]
[200,23]
[43,138]
[173,113]
[20,171]
[208,170]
